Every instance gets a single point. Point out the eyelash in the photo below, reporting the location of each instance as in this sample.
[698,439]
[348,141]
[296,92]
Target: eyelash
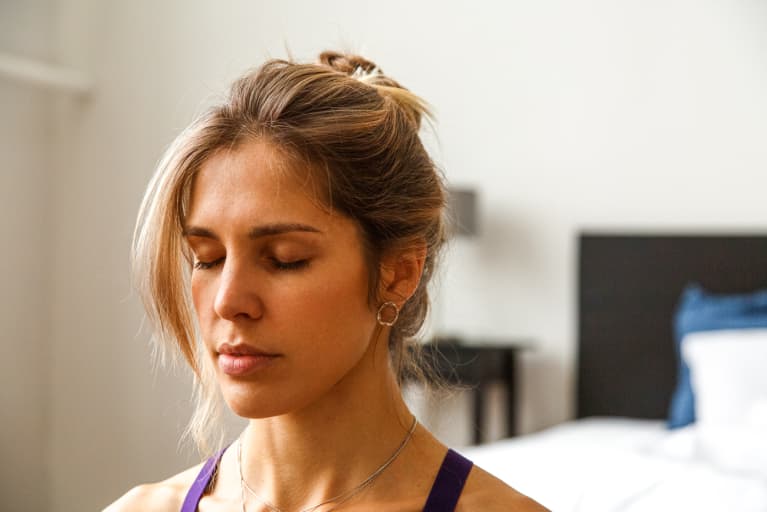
[205,265]
[277,264]
[289,265]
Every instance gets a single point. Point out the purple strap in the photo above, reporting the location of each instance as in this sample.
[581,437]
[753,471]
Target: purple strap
[449,483]
[201,483]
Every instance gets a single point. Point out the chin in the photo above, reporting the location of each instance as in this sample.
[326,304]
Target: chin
[247,401]
[248,411]
[251,404]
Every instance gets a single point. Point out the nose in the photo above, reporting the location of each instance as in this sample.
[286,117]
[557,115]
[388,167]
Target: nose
[237,297]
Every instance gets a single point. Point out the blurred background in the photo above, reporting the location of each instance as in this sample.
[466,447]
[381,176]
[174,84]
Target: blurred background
[560,115]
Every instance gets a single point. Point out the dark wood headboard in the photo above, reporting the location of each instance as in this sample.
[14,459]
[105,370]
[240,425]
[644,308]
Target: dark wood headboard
[629,286]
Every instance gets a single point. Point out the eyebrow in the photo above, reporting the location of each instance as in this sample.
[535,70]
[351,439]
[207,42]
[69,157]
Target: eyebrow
[256,232]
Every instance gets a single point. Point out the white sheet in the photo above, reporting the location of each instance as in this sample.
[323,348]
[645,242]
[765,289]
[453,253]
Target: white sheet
[619,465]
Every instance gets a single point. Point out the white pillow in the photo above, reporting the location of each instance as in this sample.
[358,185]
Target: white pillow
[740,449]
[728,371]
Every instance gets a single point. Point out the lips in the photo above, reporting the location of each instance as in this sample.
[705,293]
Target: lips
[241,349]
[240,360]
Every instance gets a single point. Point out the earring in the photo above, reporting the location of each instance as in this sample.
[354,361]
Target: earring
[381,310]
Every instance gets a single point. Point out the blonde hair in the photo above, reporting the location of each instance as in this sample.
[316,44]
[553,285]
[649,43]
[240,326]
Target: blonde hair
[355,128]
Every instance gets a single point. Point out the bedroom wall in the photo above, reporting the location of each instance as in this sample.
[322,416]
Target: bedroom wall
[25,140]
[641,116]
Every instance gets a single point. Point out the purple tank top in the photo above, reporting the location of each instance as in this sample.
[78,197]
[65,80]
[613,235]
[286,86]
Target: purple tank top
[443,497]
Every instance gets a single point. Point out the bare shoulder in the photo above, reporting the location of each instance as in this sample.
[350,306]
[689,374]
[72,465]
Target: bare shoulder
[167,495]
[486,493]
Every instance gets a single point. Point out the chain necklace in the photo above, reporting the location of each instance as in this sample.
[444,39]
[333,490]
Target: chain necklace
[339,499]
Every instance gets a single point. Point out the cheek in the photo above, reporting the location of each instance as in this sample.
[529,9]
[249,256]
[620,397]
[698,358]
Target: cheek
[201,299]
[196,289]
[340,309]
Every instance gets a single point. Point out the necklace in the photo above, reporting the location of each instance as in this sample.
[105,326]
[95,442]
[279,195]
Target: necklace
[339,499]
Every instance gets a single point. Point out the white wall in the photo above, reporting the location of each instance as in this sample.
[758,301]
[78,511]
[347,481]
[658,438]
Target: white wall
[565,115]
[25,140]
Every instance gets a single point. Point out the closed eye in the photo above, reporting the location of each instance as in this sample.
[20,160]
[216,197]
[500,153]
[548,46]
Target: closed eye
[277,264]
[204,265]
[289,265]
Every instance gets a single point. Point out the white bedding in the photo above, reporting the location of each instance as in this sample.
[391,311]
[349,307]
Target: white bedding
[620,465]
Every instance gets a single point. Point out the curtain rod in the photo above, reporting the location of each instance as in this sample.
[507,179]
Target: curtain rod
[44,75]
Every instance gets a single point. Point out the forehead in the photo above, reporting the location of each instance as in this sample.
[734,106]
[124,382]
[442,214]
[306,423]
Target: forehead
[255,182]
[253,165]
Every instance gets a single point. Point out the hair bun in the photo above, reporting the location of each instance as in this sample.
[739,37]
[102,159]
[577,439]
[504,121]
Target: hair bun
[348,64]
[367,72]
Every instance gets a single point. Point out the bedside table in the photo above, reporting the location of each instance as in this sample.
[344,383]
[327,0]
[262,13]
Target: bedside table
[476,364]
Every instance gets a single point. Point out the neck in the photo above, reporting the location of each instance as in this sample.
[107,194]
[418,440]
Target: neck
[307,456]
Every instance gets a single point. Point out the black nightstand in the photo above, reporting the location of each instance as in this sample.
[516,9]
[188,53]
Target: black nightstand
[477,364]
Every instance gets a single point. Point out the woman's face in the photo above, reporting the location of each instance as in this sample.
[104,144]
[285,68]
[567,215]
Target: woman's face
[280,284]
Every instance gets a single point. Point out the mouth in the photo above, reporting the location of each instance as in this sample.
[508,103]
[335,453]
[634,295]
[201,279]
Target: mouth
[239,360]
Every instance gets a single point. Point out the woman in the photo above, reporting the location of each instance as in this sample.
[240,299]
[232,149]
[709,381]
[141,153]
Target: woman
[303,219]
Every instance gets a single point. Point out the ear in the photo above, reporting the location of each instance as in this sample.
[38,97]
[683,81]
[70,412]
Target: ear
[400,272]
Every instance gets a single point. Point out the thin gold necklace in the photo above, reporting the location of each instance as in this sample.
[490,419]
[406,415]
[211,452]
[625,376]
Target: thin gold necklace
[339,499]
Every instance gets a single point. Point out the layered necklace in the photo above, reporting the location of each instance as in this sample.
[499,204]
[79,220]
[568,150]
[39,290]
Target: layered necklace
[337,500]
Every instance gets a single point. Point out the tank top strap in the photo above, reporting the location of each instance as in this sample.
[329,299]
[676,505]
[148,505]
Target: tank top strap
[443,497]
[201,483]
[449,483]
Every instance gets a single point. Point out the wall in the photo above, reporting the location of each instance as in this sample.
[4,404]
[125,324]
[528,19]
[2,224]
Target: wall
[25,139]
[606,115]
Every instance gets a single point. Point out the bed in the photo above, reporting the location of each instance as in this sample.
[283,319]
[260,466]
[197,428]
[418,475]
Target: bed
[672,332]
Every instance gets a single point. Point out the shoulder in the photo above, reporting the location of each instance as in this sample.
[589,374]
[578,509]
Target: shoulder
[486,493]
[167,495]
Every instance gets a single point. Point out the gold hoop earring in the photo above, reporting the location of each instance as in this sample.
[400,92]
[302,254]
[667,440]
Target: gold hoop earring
[379,315]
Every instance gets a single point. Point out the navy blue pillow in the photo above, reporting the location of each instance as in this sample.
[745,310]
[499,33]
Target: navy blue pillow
[702,311]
